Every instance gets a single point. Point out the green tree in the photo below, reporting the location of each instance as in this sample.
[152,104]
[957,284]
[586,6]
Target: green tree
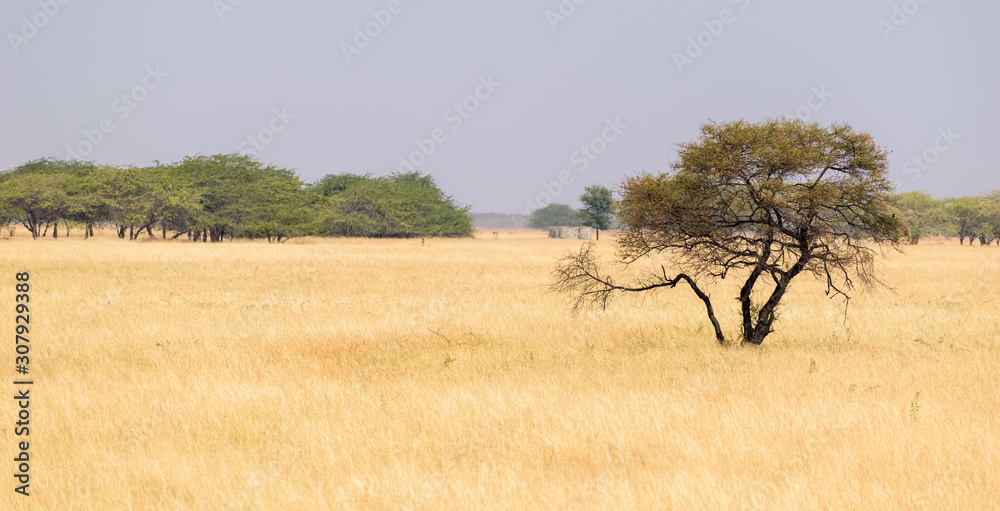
[986,219]
[761,202]
[212,197]
[134,201]
[35,195]
[992,201]
[962,213]
[235,193]
[923,214]
[179,208]
[554,215]
[287,210]
[396,206]
[90,196]
[598,208]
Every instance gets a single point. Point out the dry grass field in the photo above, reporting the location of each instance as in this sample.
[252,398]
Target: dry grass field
[368,374]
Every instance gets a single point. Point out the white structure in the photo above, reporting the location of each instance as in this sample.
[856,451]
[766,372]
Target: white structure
[570,233]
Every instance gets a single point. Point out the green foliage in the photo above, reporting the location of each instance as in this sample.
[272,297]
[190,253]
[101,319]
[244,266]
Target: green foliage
[969,217]
[220,196]
[598,207]
[764,202]
[962,213]
[239,196]
[924,215]
[395,206]
[35,194]
[979,217]
[553,215]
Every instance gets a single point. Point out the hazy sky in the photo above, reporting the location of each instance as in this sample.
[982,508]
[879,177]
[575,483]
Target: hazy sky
[495,99]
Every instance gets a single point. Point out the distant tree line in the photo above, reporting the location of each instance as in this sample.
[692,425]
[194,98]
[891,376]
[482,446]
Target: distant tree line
[968,218]
[597,211]
[212,198]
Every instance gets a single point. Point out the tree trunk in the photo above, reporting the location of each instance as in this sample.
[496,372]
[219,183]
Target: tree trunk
[765,318]
[30,223]
[747,290]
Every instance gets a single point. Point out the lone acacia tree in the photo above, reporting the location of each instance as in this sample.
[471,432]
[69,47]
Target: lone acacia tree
[762,202]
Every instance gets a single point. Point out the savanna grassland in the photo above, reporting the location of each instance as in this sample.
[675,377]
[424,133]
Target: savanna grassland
[382,374]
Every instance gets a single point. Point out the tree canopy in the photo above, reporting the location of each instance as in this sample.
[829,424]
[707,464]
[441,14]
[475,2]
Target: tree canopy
[764,203]
[598,207]
[555,214]
[211,198]
[970,217]
[396,206]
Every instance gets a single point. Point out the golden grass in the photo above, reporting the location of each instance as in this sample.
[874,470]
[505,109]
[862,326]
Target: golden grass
[354,374]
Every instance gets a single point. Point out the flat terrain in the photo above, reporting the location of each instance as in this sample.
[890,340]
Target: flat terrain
[355,374]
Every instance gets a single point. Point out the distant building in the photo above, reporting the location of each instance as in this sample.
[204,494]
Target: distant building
[570,233]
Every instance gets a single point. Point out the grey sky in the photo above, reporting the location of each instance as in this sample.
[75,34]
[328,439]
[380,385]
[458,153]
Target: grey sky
[203,76]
